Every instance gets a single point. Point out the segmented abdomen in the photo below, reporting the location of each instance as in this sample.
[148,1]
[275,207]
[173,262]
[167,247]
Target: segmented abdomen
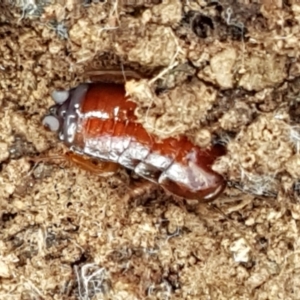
[108,130]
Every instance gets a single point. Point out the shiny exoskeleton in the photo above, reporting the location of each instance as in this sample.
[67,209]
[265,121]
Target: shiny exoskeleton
[97,120]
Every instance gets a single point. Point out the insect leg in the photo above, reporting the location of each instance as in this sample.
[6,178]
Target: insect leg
[102,168]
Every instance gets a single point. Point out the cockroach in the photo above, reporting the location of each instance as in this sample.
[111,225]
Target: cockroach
[98,120]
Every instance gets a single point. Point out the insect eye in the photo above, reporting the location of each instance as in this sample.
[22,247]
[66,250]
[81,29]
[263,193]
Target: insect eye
[60,97]
[51,123]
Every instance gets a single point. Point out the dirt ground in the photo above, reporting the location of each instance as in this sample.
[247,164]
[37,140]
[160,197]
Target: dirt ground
[226,70]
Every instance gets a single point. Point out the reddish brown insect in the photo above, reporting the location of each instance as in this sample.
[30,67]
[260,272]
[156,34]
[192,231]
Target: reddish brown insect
[99,121]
